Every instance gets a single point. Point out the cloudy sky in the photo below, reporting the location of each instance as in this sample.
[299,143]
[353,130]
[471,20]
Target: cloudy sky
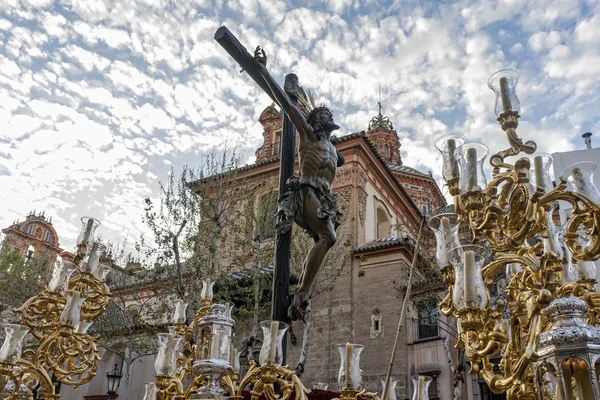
[99,99]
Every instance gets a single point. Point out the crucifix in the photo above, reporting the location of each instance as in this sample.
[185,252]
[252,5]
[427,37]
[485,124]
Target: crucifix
[308,200]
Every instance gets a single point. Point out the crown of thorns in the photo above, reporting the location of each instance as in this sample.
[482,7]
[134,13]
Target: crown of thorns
[309,106]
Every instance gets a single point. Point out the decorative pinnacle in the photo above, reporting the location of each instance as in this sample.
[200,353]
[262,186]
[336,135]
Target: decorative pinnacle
[379,121]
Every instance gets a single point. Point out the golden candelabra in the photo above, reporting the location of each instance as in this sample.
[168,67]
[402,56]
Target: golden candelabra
[211,367]
[58,318]
[507,224]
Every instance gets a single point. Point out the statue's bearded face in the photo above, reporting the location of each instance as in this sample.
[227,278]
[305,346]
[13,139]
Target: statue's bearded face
[325,118]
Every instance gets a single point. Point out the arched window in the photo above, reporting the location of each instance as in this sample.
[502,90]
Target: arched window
[386,150]
[383,224]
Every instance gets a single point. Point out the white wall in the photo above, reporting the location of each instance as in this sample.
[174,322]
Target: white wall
[563,160]
[142,371]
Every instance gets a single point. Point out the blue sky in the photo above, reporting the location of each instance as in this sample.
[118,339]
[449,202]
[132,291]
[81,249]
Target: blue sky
[99,99]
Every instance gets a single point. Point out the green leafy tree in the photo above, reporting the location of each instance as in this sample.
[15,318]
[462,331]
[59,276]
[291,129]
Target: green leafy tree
[173,221]
[21,279]
[137,310]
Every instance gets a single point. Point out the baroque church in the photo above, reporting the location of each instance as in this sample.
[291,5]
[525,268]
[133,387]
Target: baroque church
[383,204]
[34,236]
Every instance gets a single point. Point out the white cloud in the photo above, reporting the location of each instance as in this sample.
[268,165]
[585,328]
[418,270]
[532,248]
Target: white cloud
[97,102]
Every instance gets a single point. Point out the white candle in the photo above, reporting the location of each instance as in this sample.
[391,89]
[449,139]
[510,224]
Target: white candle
[471,169]
[169,349]
[446,240]
[273,336]
[538,166]
[349,350]
[94,259]
[470,292]
[88,231]
[451,158]
[234,360]
[420,388]
[505,95]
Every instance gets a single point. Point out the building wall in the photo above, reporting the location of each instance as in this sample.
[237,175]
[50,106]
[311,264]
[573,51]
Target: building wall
[343,313]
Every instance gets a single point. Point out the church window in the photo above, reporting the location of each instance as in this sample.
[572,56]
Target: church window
[426,326]
[376,327]
[424,209]
[47,238]
[38,233]
[414,187]
[386,150]
[383,224]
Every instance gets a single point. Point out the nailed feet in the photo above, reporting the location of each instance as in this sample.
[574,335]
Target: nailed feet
[299,304]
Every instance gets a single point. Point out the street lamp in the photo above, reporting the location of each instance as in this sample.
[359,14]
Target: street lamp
[114,378]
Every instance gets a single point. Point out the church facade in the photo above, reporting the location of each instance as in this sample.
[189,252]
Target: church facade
[383,204]
[34,236]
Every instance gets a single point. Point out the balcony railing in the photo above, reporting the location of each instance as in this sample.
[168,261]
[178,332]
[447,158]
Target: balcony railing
[425,330]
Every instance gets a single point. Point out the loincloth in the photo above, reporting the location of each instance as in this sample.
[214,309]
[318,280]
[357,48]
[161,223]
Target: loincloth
[290,206]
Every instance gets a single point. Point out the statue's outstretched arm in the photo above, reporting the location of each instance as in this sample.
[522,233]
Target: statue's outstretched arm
[293,112]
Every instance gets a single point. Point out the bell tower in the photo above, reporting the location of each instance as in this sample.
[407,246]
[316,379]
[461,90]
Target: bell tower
[382,134]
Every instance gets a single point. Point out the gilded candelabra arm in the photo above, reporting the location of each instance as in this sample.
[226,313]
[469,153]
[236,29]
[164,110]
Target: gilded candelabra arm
[509,122]
[492,215]
[266,377]
[585,213]
[41,313]
[251,376]
[447,305]
[72,357]
[363,394]
[197,383]
[490,269]
[186,364]
[97,295]
[229,384]
[38,373]
[186,332]
[167,387]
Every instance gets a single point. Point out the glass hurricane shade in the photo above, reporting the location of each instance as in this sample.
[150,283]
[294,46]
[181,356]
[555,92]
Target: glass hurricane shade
[447,146]
[467,261]
[504,83]
[83,327]
[179,313]
[421,384]
[150,391]
[580,179]
[72,312]
[12,347]
[471,157]
[114,379]
[166,358]
[392,392]
[207,289]
[539,171]
[445,228]
[91,261]
[320,386]
[350,375]
[60,274]
[272,346]
[88,227]
[221,342]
